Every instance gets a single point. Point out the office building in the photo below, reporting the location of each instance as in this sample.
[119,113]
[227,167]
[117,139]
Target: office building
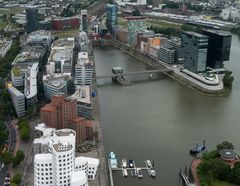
[142,2]
[61,56]
[60,23]
[166,54]
[59,166]
[5,45]
[112,18]
[84,101]
[135,24]
[194,48]
[62,113]
[83,70]
[32,19]
[84,21]
[55,84]
[59,112]
[175,42]
[84,42]
[40,37]
[219,46]
[18,100]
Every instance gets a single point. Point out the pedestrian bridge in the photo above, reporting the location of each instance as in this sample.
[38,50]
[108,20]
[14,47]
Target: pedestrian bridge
[133,73]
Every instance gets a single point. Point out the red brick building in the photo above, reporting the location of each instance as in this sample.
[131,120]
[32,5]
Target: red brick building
[65,22]
[62,113]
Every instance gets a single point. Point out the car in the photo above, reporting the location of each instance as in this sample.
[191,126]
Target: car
[2,165]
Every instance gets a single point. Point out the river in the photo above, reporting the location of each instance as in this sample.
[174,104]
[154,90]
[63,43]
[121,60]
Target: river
[162,119]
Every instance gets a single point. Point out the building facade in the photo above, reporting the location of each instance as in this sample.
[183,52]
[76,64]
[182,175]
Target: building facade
[219,46]
[112,18]
[18,100]
[194,48]
[59,167]
[84,21]
[32,19]
[166,54]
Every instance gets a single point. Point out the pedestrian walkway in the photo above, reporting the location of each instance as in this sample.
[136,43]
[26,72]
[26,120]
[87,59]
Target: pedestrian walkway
[194,165]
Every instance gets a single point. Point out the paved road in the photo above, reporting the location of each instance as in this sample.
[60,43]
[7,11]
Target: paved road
[11,147]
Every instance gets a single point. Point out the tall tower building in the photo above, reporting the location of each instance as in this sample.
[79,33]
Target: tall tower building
[194,50]
[84,22]
[219,46]
[112,18]
[83,70]
[32,20]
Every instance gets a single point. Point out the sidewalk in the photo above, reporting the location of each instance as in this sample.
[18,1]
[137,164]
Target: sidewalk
[194,165]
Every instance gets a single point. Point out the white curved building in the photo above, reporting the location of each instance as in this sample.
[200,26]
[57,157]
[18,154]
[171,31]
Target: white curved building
[59,167]
[79,178]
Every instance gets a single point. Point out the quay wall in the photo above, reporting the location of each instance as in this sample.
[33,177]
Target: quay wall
[155,64]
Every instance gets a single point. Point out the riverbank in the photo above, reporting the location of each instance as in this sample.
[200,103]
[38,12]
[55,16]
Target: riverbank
[98,126]
[216,91]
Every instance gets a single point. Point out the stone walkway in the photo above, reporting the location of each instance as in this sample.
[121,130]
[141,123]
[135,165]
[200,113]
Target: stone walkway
[194,165]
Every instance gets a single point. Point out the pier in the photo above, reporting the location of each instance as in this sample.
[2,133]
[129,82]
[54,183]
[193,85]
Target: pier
[185,178]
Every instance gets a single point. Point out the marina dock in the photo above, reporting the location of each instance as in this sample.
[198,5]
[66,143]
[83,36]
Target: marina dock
[134,170]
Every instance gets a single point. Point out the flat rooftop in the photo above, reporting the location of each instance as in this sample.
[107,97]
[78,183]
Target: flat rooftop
[195,34]
[64,132]
[40,33]
[64,42]
[82,94]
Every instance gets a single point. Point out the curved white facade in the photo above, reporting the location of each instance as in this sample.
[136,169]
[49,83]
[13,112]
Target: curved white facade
[43,170]
[79,178]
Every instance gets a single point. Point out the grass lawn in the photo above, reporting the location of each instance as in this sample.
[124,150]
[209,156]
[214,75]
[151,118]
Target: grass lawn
[66,33]
[222,183]
[3,24]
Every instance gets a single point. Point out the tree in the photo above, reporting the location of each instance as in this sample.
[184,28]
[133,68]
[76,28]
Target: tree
[13,184]
[18,158]
[136,12]
[228,80]
[7,157]
[225,145]
[24,133]
[17,179]
[3,136]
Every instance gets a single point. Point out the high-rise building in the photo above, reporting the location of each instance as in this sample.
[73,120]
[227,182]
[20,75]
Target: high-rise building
[83,70]
[84,21]
[18,100]
[32,19]
[194,48]
[135,24]
[175,42]
[112,18]
[219,46]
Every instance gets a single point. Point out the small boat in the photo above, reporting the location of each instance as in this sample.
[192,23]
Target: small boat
[131,164]
[124,163]
[125,173]
[149,164]
[113,160]
[199,148]
[139,173]
[152,172]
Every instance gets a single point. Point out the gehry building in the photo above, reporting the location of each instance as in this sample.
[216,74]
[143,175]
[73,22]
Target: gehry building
[59,167]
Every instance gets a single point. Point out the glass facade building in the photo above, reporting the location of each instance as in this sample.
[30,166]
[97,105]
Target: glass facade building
[112,18]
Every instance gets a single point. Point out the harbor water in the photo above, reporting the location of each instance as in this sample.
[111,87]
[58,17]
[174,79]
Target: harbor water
[161,119]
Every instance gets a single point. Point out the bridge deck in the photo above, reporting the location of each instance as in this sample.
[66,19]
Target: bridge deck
[133,73]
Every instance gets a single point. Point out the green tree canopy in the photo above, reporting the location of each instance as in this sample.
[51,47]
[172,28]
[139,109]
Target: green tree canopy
[17,179]
[225,145]
[7,157]
[18,158]
[228,80]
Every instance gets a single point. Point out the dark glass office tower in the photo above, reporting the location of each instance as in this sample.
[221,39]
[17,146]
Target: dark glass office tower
[32,19]
[219,46]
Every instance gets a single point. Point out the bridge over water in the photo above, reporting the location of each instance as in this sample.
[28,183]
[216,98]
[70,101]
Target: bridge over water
[133,73]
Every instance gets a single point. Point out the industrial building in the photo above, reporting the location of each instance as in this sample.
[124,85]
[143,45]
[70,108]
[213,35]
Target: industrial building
[32,19]
[219,46]
[18,100]
[194,48]
[59,166]
[112,18]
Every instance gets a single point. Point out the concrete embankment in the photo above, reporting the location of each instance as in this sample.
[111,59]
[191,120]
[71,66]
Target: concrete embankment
[102,170]
[155,64]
